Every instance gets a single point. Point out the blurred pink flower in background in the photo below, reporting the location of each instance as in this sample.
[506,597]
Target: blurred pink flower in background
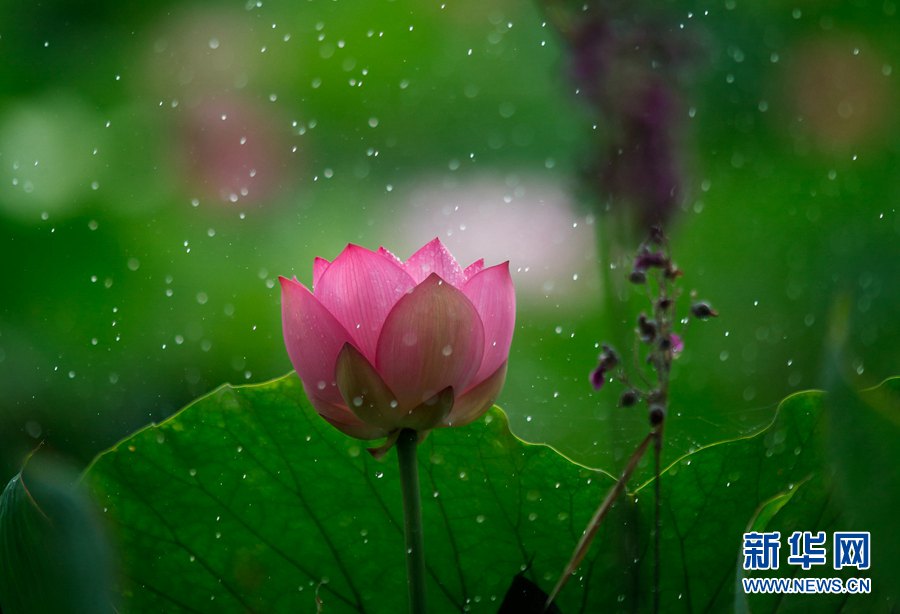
[382,345]
[532,222]
[233,151]
[215,93]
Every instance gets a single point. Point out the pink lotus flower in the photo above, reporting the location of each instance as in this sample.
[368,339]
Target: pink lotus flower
[382,345]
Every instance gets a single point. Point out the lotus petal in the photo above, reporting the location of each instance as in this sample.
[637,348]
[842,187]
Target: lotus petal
[364,392]
[313,338]
[433,257]
[432,339]
[473,269]
[320,265]
[478,400]
[359,289]
[492,293]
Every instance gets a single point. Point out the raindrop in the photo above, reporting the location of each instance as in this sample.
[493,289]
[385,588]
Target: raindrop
[479,518]
[447,350]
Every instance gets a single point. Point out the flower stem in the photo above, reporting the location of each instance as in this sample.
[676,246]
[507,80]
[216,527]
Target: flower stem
[407,445]
[657,522]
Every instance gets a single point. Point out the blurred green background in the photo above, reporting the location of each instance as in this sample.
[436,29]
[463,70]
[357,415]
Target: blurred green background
[162,163]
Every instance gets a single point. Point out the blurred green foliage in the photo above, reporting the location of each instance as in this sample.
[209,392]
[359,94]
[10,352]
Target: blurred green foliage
[139,275]
[54,551]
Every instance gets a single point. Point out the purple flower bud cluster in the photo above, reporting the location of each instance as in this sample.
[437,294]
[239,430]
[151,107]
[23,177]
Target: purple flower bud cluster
[653,269]
[647,259]
[703,311]
[607,361]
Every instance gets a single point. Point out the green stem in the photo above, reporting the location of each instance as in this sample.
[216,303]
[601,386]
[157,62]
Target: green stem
[657,450]
[407,445]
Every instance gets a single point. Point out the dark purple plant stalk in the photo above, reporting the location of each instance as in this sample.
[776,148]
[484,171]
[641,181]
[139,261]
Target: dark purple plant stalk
[646,381]
[626,62]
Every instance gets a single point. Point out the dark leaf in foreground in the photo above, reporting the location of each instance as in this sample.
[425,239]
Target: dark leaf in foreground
[525,597]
